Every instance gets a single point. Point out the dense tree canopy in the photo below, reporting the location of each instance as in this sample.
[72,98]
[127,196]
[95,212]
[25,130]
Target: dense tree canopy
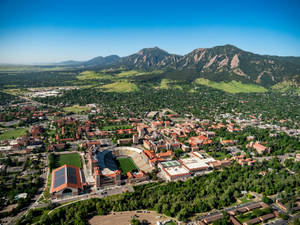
[183,199]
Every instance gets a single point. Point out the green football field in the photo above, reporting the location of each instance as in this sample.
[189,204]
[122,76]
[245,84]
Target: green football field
[72,159]
[13,133]
[127,165]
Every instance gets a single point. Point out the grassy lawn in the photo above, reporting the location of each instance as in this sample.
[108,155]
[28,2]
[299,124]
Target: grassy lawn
[116,127]
[166,84]
[171,223]
[129,73]
[13,91]
[132,73]
[92,75]
[76,109]
[72,159]
[127,165]
[232,86]
[253,214]
[13,133]
[219,155]
[120,86]
[244,217]
[286,86]
[245,199]
[47,190]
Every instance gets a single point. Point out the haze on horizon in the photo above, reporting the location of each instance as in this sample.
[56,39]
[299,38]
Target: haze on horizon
[47,31]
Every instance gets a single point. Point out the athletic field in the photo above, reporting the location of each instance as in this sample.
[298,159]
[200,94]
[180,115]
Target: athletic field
[127,165]
[72,159]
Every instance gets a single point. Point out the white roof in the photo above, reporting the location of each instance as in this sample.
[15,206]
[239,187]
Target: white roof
[22,195]
[5,148]
[171,163]
[107,171]
[176,170]
[208,160]
[204,158]
[194,162]
[198,154]
[13,142]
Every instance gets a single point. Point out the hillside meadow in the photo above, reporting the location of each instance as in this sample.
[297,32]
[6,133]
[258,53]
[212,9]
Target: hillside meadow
[232,86]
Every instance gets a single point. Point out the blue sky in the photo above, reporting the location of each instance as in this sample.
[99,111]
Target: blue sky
[37,31]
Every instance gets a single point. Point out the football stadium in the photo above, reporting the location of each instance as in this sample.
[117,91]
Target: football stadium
[114,166]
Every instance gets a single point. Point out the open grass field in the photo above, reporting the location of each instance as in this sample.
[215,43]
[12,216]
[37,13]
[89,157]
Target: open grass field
[171,223]
[253,214]
[232,86]
[92,75]
[127,165]
[244,217]
[132,73]
[120,86]
[14,91]
[129,73]
[244,200]
[13,133]
[72,159]
[117,127]
[286,86]
[167,84]
[76,109]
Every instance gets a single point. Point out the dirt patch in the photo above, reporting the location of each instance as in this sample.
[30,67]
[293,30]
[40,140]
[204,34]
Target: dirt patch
[123,218]
[9,208]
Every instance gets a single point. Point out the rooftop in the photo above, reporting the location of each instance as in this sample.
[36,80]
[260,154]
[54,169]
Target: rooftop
[176,170]
[66,176]
[172,163]
[194,163]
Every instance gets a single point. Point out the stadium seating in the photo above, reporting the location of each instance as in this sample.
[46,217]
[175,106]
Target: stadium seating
[135,154]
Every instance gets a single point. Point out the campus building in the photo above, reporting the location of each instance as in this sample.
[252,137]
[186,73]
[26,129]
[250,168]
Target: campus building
[194,164]
[103,168]
[66,181]
[173,170]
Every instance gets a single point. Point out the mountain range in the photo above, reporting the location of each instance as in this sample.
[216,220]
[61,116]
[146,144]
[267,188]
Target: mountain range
[220,63]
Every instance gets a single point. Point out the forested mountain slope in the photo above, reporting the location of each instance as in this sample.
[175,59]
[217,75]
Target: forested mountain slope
[220,63]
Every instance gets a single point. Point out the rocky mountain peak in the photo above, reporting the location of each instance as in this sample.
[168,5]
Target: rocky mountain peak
[152,51]
[225,62]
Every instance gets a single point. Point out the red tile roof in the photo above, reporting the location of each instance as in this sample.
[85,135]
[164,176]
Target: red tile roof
[66,182]
[165,154]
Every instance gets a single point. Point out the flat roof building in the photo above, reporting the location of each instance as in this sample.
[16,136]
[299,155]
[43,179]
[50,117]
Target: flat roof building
[173,170]
[194,163]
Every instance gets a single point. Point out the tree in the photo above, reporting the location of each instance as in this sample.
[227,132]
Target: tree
[135,221]
[283,216]
[182,215]
[266,200]
[295,222]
